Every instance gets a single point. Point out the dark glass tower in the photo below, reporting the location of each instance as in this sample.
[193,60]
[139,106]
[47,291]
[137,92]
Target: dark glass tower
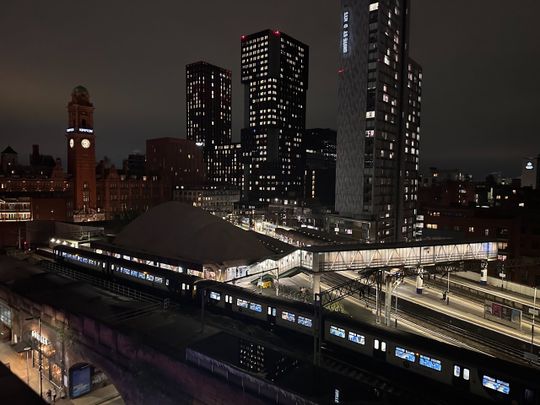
[378,119]
[208,108]
[275,78]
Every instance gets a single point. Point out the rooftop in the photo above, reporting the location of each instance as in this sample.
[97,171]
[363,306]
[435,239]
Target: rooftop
[189,233]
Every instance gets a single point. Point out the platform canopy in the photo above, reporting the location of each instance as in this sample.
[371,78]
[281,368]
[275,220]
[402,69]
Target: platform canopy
[179,230]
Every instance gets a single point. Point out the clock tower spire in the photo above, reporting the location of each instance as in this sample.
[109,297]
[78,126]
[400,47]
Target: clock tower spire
[81,151]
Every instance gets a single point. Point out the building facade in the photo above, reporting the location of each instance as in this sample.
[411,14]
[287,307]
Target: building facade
[320,166]
[530,175]
[177,162]
[208,108]
[227,165]
[275,78]
[379,95]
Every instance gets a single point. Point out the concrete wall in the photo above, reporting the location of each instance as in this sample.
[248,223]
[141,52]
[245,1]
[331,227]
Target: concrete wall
[496,282]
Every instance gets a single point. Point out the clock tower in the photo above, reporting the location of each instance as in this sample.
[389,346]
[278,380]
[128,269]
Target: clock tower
[81,151]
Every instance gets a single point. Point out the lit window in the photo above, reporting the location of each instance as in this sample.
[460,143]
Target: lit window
[357,338]
[339,332]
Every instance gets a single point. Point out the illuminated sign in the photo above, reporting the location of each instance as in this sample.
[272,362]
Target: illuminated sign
[529,166]
[345,33]
[40,338]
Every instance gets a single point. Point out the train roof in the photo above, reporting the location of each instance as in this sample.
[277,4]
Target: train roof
[131,265]
[432,347]
[255,296]
[145,255]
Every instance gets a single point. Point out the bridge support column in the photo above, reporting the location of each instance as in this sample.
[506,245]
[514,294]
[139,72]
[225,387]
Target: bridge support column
[388,291]
[316,276]
[316,284]
[420,280]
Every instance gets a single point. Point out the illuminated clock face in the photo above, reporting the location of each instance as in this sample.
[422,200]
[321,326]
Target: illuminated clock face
[85,143]
[71,143]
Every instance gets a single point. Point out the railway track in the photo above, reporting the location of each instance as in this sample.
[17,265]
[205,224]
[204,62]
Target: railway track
[455,333]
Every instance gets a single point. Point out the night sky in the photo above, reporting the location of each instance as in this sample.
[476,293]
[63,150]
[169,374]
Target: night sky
[481,61]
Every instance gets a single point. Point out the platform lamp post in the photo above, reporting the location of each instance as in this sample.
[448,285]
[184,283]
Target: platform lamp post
[533,312]
[448,288]
[40,360]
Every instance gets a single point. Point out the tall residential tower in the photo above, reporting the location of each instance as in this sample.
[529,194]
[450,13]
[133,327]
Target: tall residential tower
[379,94]
[275,78]
[208,109]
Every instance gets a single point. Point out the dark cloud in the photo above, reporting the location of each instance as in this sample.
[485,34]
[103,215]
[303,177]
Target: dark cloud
[480,62]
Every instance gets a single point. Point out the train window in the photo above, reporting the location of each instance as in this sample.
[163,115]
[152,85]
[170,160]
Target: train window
[405,354]
[184,287]
[158,280]
[339,332]
[215,296]
[376,344]
[356,338]
[112,266]
[288,316]
[305,321]
[269,311]
[496,384]
[430,362]
[150,277]
[383,346]
[255,307]
[104,265]
[457,371]
[241,303]
[167,281]
[466,374]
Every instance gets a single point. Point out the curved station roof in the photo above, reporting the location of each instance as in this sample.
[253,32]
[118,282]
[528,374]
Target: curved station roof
[179,230]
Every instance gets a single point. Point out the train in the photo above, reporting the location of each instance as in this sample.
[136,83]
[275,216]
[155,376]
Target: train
[465,371]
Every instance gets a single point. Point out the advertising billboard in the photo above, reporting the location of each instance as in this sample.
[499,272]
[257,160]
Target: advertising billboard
[504,314]
[80,380]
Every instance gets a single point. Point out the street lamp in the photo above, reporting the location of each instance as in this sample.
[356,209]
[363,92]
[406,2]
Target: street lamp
[26,350]
[40,361]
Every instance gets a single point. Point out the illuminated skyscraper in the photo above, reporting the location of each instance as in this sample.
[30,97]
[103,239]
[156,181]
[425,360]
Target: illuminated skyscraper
[208,108]
[378,120]
[275,79]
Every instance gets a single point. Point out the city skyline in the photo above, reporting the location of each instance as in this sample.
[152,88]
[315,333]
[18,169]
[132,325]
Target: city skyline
[131,108]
